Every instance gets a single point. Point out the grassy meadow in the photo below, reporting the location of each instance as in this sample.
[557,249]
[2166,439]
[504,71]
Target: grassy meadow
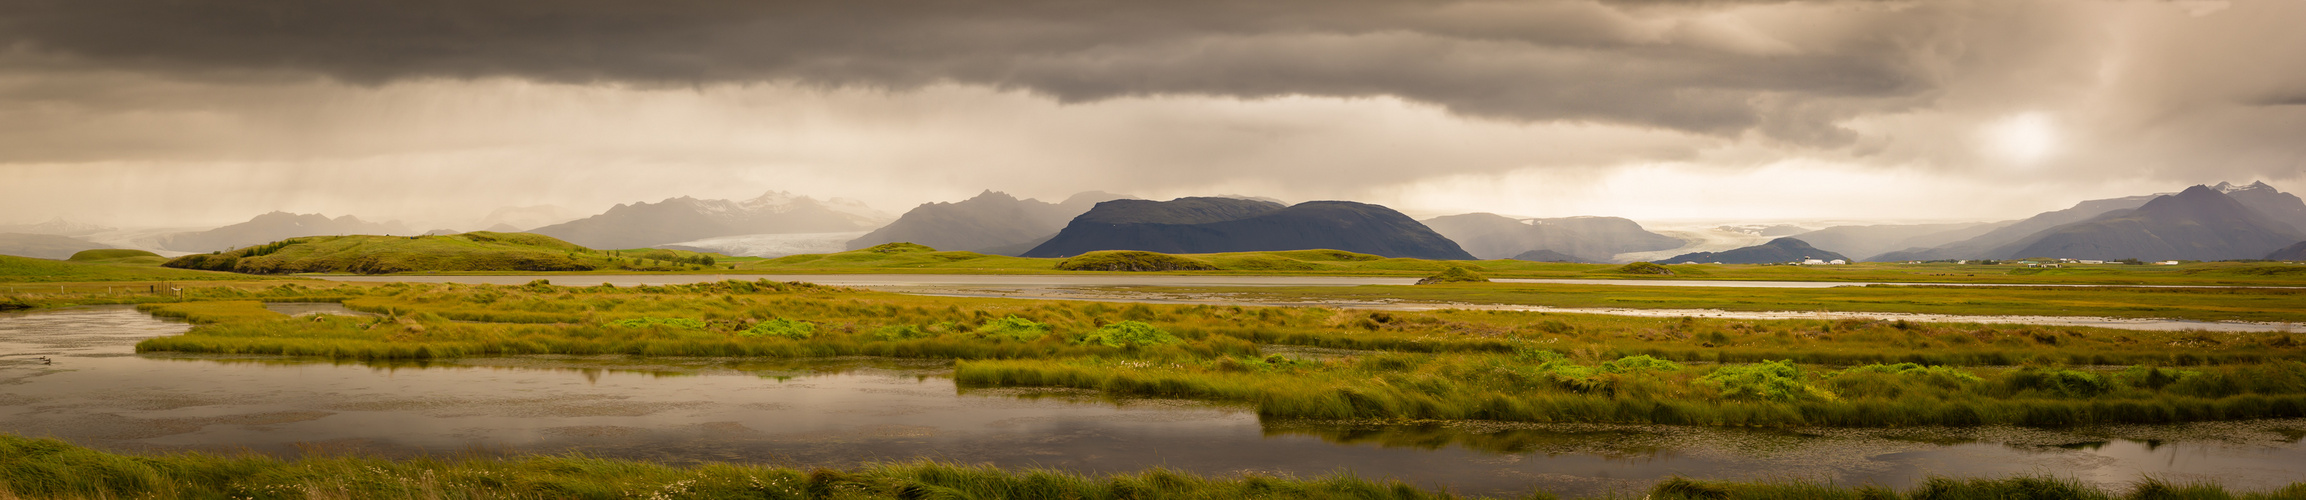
[30,270]
[44,468]
[478,251]
[909,258]
[2258,304]
[1439,365]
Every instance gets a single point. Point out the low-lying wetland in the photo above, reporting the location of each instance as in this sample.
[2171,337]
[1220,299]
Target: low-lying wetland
[1484,402]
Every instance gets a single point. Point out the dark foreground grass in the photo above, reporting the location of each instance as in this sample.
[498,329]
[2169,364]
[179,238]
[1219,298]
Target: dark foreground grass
[46,468]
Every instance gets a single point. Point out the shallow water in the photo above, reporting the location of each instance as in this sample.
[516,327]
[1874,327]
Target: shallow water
[851,411]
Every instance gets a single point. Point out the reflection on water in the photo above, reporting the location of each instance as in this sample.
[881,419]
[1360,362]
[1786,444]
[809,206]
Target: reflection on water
[843,412]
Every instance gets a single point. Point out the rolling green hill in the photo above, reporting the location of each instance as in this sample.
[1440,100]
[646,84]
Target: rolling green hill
[468,252]
[118,256]
[29,270]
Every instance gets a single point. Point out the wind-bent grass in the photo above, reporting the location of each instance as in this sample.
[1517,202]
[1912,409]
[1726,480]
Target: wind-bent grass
[1520,388]
[1449,364]
[46,468]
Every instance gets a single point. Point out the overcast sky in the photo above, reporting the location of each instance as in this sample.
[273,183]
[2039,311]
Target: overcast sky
[202,112]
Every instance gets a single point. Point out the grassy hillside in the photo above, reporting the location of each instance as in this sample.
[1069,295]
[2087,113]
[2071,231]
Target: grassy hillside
[30,270]
[118,256]
[909,258]
[467,252]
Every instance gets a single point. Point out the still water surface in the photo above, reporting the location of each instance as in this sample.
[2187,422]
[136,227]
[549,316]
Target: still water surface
[98,392]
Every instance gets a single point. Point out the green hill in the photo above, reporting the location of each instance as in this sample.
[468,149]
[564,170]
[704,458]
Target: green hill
[30,270]
[468,252]
[118,256]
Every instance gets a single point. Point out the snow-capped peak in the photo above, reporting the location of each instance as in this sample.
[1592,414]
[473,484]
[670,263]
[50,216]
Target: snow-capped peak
[2230,188]
[776,202]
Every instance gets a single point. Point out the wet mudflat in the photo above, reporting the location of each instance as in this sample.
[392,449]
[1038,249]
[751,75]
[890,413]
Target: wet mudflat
[845,412]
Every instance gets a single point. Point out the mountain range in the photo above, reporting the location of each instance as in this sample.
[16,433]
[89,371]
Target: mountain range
[1867,241]
[1584,239]
[275,226]
[992,222]
[516,219]
[44,246]
[1777,251]
[1989,245]
[682,219]
[2211,222]
[56,226]
[1211,225]
[2199,223]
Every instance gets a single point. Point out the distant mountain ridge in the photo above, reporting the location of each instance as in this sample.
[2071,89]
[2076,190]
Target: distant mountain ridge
[2282,207]
[44,246]
[276,226]
[1587,239]
[56,226]
[1781,250]
[1865,242]
[674,220]
[2219,222]
[2199,223]
[1212,225]
[1988,245]
[992,222]
[515,219]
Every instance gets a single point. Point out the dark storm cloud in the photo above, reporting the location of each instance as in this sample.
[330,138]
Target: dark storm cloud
[1659,64]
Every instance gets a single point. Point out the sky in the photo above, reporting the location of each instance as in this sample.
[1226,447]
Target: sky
[205,112]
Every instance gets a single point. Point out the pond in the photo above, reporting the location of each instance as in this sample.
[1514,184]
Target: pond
[98,392]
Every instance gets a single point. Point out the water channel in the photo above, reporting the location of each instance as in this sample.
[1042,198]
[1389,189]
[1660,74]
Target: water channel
[98,392]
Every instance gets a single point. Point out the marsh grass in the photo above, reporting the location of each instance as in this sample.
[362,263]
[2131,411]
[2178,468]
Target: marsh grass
[51,469]
[45,468]
[1645,390]
[1451,364]
[2202,304]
